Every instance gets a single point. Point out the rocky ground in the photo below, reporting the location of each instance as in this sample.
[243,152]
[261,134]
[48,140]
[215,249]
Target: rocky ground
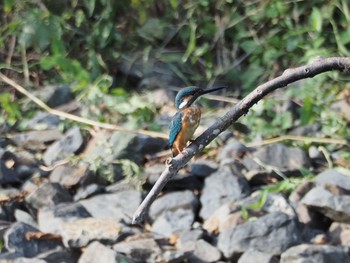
[58,203]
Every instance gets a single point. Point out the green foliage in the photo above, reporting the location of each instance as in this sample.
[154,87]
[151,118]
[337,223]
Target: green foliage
[9,110]
[107,104]
[286,186]
[80,40]
[132,173]
[108,170]
[242,43]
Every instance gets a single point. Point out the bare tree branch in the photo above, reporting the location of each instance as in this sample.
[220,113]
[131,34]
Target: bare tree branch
[318,66]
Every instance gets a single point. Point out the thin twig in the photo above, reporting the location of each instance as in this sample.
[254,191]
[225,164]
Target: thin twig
[11,50]
[320,65]
[25,64]
[297,138]
[75,118]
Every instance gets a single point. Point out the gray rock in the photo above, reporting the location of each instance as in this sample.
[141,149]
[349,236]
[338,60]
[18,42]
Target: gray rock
[171,222]
[175,256]
[315,153]
[184,181]
[150,73]
[38,138]
[232,150]
[48,194]
[139,248]
[18,258]
[333,177]
[312,130]
[300,191]
[153,172]
[7,175]
[123,185]
[69,176]
[43,121]
[90,190]
[225,217]
[104,255]
[23,163]
[80,232]
[181,181]
[51,219]
[342,107]
[339,234]
[62,255]
[133,147]
[266,161]
[253,255]
[69,144]
[272,233]
[9,192]
[204,252]
[4,142]
[283,157]
[189,236]
[336,208]
[203,168]
[221,187]
[173,213]
[56,95]
[225,136]
[10,201]
[120,205]
[273,203]
[60,96]
[172,202]
[24,217]
[277,203]
[150,145]
[315,254]
[29,186]
[4,225]
[15,241]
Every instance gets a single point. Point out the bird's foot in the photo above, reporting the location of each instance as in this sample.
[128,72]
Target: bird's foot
[184,152]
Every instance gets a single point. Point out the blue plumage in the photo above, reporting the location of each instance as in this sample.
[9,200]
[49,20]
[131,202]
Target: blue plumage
[189,91]
[186,120]
[175,127]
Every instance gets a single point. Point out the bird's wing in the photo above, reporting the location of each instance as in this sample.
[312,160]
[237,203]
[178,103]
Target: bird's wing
[175,127]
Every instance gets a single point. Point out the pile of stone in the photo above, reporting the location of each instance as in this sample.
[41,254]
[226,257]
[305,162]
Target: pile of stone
[56,207]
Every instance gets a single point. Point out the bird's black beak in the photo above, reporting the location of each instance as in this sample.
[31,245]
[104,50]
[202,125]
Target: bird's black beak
[202,92]
[211,90]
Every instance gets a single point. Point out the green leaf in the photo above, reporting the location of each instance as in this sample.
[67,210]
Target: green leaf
[9,5]
[11,108]
[47,63]
[90,6]
[307,111]
[152,30]
[192,42]
[79,18]
[316,20]
[173,3]
[248,45]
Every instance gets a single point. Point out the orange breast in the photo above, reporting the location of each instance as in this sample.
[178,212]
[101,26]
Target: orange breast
[190,121]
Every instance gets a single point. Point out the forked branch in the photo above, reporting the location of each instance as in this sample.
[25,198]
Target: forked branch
[318,66]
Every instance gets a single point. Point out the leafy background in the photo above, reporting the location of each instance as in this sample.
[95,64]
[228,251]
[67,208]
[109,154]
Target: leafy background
[94,46]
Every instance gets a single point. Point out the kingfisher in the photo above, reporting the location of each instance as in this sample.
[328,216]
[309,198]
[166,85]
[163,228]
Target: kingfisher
[186,120]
